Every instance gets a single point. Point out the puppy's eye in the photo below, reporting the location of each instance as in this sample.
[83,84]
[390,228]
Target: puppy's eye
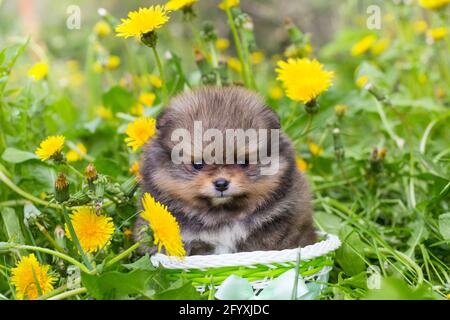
[198,166]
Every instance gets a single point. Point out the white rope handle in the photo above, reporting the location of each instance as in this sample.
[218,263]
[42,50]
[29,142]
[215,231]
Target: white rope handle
[330,244]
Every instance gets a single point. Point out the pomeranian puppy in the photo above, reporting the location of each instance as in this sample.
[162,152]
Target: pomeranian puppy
[227,208]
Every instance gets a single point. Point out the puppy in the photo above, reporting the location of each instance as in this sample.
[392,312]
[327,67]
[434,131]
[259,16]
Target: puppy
[227,208]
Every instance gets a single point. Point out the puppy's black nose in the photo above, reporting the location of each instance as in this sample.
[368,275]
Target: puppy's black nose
[221,184]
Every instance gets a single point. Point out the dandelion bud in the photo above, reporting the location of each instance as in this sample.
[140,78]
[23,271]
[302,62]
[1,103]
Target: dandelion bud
[61,188]
[91,175]
[100,184]
[338,146]
[382,154]
[59,232]
[60,236]
[208,32]
[150,39]
[376,160]
[130,186]
[312,106]
[79,198]
[295,34]
[340,110]
[188,13]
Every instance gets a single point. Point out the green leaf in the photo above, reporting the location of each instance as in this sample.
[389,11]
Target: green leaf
[12,225]
[444,225]
[30,212]
[179,290]
[108,167]
[397,289]
[357,281]
[117,285]
[348,255]
[143,263]
[118,99]
[14,155]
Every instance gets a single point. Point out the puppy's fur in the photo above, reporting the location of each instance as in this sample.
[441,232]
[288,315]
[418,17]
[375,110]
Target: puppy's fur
[257,212]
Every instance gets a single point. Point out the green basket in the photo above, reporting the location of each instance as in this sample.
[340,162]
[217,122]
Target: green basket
[258,267]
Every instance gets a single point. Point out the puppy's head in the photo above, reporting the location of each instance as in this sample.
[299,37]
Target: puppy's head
[231,180]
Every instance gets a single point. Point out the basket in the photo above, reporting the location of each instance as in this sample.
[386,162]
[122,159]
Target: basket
[260,268]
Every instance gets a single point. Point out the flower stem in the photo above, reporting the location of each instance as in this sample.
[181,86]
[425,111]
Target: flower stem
[399,141]
[237,42]
[162,75]
[78,173]
[47,251]
[198,39]
[49,237]
[69,294]
[124,254]
[75,239]
[308,124]
[215,62]
[248,63]
[52,293]
[25,194]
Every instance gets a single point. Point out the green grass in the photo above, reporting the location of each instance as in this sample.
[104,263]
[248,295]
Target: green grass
[390,210]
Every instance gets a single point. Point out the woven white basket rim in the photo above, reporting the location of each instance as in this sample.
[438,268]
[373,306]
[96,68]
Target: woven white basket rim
[331,243]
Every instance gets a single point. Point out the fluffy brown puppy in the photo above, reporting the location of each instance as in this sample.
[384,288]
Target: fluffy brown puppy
[226,208]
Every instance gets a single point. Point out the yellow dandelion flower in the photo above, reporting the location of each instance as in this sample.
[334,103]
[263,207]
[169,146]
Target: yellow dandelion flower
[362,81]
[440,93]
[102,29]
[422,78]
[112,63]
[147,98]
[50,147]
[433,4]
[438,33]
[155,80]
[276,92]
[92,230]
[302,165]
[137,110]
[222,44]
[340,109]
[173,5]
[421,26]
[315,149]
[38,71]
[228,4]
[76,155]
[166,231]
[379,47]
[104,112]
[363,45]
[135,167]
[143,21]
[139,132]
[303,79]
[257,57]
[29,277]
[234,64]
